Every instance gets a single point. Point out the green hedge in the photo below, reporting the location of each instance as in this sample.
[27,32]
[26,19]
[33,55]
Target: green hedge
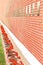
[2,57]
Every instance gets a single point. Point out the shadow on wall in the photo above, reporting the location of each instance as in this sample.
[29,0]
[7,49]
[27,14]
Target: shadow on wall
[4,7]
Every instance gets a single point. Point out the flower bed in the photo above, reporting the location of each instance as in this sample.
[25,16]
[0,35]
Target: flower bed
[13,57]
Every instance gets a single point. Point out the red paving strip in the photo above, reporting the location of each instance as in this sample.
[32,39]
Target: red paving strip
[13,57]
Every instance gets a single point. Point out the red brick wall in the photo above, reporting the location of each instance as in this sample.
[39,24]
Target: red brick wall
[28,29]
